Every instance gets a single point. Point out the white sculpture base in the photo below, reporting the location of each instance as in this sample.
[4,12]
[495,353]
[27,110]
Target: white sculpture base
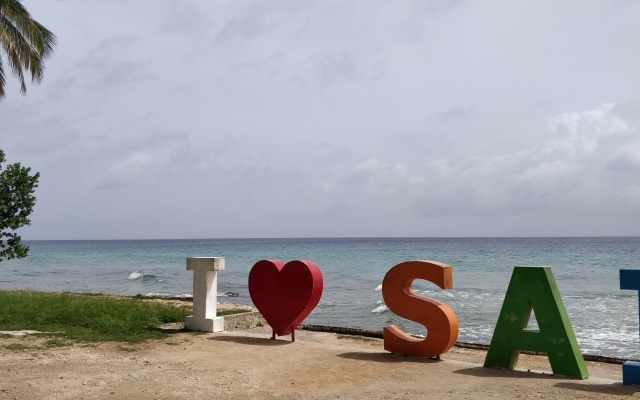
[205,325]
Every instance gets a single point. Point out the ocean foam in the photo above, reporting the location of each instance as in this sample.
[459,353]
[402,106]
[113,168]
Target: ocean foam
[136,275]
[380,308]
[161,294]
[145,277]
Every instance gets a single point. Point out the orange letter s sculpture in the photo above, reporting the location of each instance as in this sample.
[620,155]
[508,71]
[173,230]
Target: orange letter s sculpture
[439,319]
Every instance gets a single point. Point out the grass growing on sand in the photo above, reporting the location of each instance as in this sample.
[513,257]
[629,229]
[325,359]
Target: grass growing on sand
[87,318]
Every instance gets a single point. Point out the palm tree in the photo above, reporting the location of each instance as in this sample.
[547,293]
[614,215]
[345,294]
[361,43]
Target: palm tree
[25,42]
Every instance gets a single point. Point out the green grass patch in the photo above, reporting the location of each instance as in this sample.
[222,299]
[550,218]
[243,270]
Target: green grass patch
[56,343]
[86,318]
[16,346]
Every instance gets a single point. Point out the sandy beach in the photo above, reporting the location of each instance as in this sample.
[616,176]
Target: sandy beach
[247,364]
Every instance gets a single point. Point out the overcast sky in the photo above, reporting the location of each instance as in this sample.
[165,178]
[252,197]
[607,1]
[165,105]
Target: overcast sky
[226,119]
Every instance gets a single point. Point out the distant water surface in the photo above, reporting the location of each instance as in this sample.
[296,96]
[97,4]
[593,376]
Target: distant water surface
[586,270]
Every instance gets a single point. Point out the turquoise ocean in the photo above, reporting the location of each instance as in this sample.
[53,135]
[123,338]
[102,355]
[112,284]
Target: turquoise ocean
[604,318]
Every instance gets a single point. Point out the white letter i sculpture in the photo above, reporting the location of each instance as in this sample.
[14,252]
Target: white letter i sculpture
[205,294]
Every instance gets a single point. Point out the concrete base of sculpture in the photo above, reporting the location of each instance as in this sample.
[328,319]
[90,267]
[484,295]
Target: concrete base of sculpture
[205,324]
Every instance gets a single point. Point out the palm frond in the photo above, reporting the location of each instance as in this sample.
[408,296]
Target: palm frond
[25,41]
[3,80]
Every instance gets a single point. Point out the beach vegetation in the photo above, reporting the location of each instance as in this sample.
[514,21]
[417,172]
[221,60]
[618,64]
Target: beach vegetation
[17,346]
[56,343]
[17,186]
[24,42]
[69,317]
[48,344]
[66,318]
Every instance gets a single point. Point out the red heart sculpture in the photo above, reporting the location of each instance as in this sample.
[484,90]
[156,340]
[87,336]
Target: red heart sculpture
[285,293]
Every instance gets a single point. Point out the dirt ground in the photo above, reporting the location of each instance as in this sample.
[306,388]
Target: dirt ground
[248,365]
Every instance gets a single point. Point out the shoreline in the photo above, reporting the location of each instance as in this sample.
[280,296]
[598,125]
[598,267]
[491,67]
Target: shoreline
[462,345]
[601,314]
[181,301]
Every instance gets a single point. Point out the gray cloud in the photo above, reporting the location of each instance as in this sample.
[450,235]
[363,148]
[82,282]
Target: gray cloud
[332,119]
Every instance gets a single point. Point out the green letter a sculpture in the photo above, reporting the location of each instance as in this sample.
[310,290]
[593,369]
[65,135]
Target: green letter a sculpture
[534,288]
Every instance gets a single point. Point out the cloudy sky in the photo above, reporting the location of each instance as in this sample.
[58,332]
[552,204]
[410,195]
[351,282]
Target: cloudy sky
[226,119]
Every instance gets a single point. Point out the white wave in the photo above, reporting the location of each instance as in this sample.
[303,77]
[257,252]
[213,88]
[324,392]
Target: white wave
[143,277]
[379,288]
[136,275]
[380,308]
[161,294]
